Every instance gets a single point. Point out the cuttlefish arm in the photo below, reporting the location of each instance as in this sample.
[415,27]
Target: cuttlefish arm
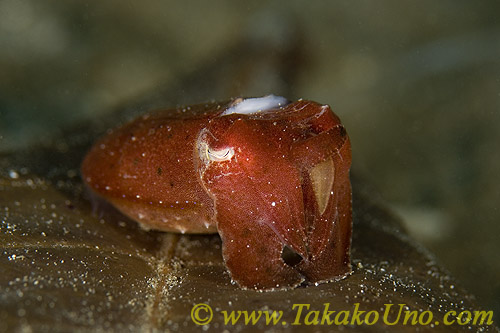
[282,194]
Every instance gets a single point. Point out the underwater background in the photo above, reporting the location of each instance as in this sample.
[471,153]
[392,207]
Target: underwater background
[417,85]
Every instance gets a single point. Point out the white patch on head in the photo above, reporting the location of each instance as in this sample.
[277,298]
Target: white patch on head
[255,105]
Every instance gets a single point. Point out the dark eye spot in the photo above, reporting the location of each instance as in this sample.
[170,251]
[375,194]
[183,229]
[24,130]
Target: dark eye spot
[290,257]
[159,171]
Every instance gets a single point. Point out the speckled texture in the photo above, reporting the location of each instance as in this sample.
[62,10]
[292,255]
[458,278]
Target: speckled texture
[415,83]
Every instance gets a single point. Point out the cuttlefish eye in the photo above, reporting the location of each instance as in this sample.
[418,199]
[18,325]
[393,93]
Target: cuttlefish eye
[219,155]
[209,154]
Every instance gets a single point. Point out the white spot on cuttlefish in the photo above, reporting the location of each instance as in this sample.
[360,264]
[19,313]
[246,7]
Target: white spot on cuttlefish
[254,105]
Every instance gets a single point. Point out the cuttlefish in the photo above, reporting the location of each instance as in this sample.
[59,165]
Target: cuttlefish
[269,175]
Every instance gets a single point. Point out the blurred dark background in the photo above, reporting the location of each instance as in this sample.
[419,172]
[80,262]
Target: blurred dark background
[417,85]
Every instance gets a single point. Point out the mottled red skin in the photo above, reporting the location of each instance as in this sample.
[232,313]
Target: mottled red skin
[259,201]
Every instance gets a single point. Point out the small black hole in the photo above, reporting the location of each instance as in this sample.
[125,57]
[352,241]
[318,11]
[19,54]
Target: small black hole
[290,257]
